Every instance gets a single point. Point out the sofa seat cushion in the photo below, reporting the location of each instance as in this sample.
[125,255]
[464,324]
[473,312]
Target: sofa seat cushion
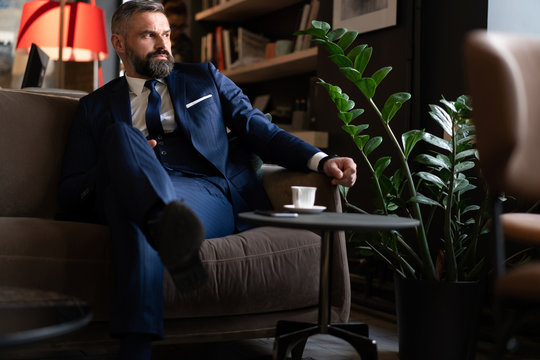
[265,269]
[67,257]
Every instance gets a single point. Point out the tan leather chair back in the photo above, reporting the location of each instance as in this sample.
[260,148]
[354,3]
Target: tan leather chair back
[503,73]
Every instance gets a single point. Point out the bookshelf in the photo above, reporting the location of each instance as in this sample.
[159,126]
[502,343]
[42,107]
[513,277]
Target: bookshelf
[238,10]
[295,63]
[257,74]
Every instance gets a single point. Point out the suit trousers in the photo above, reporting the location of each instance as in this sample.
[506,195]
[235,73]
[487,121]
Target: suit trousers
[131,185]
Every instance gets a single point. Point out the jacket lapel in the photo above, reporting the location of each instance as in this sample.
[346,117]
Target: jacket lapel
[177,91]
[119,102]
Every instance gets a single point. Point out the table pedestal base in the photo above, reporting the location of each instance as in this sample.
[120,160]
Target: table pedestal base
[294,335]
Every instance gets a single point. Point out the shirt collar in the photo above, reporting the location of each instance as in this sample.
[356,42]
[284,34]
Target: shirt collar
[136,85]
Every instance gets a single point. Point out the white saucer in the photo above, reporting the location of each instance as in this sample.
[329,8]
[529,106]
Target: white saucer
[313,210]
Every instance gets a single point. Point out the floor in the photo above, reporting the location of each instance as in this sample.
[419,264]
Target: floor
[382,329]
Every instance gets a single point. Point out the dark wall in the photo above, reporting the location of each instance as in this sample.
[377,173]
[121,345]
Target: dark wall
[424,50]
[109,65]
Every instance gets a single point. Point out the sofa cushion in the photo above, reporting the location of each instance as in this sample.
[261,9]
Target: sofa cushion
[265,269]
[75,259]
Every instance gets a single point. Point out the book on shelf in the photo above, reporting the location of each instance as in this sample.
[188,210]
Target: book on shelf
[228,48]
[299,42]
[208,48]
[313,13]
[220,51]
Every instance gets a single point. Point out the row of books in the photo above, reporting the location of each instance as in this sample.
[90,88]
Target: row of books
[231,47]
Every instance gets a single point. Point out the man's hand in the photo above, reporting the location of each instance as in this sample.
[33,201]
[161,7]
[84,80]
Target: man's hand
[152,143]
[342,170]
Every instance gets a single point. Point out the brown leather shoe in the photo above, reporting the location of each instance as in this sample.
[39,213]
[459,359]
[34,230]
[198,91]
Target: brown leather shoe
[180,234]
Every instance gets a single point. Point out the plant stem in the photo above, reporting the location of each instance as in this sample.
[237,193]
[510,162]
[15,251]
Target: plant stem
[377,183]
[428,268]
[451,264]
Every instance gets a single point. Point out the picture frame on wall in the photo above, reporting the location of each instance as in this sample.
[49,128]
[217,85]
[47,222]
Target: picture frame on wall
[364,15]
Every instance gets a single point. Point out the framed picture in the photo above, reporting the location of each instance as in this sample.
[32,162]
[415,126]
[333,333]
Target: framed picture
[364,15]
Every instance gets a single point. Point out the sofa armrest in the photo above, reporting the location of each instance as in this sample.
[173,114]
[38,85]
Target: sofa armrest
[278,181]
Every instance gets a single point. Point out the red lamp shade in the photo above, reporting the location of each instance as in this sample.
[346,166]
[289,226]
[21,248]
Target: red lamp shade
[84,36]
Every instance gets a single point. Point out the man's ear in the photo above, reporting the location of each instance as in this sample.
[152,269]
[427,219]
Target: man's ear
[117,42]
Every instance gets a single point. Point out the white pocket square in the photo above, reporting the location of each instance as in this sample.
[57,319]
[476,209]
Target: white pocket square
[198,101]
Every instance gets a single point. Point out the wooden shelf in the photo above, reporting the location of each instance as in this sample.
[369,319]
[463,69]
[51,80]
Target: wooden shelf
[237,10]
[298,62]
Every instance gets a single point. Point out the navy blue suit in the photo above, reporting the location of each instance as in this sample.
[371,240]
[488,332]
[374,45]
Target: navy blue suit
[109,167]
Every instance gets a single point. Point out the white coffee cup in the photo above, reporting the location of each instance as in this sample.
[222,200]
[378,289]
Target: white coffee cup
[303,197]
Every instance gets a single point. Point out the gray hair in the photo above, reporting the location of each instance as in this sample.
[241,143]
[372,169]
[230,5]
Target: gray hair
[122,15]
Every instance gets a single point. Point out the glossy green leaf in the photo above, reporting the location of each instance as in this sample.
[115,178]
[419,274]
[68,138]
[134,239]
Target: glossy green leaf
[372,144]
[470,208]
[398,181]
[393,104]
[345,116]
[331,47]
[461,185]
[341,60]
[431,161]
[442,117]
[392,206]
[343,104]
[356,51]
[336,34]
[380,74]
[350,129]
[450,105]
[437,141]
[347,39]
[381,164]
[466,139]
[362,59]
[466,154]
[387,188]
[409,140]
[422,199]
[356,113]
[464,166]
[318,33]
[361,141]
[321,25]
[431,178]
[351,74]
[367,86]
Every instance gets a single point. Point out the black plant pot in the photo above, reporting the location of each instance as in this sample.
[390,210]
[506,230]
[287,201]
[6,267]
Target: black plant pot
[437,320]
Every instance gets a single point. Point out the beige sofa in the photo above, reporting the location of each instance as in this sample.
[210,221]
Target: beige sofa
[256,277]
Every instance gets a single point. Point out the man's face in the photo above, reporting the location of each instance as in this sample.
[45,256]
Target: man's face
[146,49]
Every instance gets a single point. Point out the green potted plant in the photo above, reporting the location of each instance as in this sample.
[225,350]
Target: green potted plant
[434,187]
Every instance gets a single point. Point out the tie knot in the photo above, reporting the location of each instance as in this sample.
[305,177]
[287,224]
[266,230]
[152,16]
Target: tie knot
[150,84]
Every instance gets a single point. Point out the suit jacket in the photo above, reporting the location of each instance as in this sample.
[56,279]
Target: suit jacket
[205,103]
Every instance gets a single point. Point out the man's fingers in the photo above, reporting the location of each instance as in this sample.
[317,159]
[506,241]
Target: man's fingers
[152,143]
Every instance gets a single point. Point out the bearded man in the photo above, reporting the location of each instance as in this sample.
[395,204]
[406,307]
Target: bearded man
[148,154]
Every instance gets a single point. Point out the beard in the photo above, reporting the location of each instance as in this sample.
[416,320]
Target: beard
[148,66]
